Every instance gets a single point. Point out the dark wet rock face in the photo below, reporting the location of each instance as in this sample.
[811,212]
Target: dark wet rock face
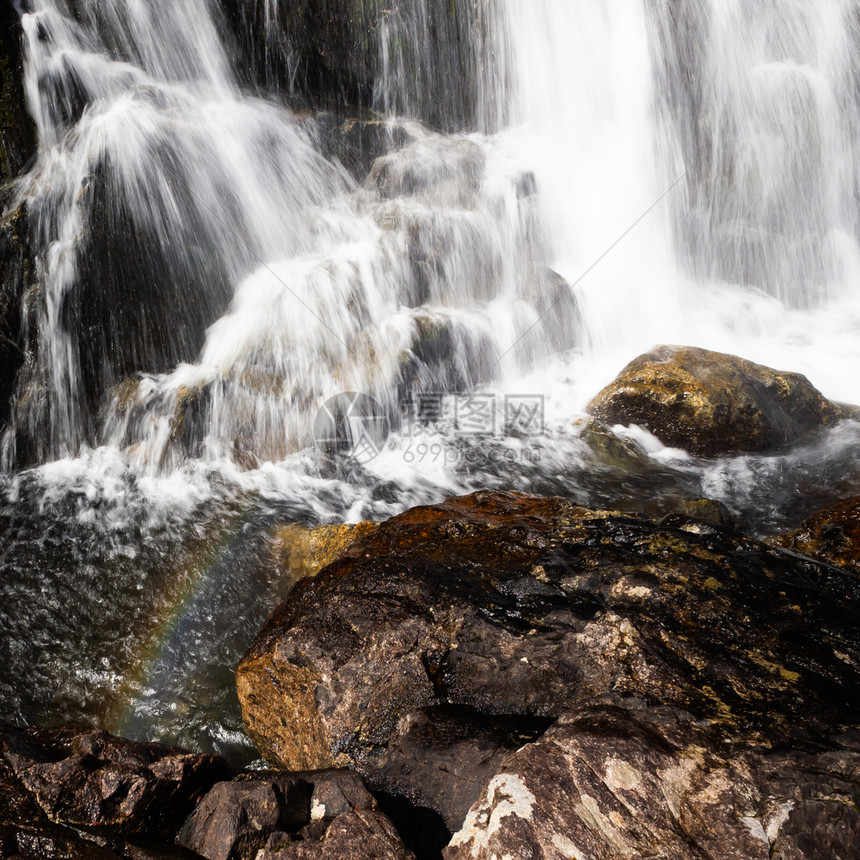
[264,816]
[359,833]
[85,778]
[17,132]
[359,138]
[236,818]
[332,53]
[710,404]
[438,757]
[831,534]
[624,779]
[17,276]
[75,793]
[25,830]
[449,620]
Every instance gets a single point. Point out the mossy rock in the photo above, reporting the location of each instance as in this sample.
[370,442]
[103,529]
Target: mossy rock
[711,404]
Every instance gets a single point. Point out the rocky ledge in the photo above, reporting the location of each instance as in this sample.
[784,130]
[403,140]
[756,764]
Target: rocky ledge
[553,681]
[78,794]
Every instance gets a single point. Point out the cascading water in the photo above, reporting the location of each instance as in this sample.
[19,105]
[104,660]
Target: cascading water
[599,178]
[151,155]
[762,97]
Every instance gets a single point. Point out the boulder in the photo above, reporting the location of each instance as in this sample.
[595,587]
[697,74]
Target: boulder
[437,757]
[300,552]
[510,606]
[17,131]
[832,534]
[263,816]
[414,59]
[711,404]
[236,818]
[91,805]
[84,778]
[359,833]
[26,832]
[621,779]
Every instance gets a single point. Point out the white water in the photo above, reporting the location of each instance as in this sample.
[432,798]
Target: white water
[688,168]
[753,108]
[325,276]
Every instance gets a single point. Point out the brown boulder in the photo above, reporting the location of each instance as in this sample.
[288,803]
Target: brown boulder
[275,816]
[358,833]
[235,818]
[439,757]
[505,605]
[710,404]
[26,832]
[85,778]
[300,552]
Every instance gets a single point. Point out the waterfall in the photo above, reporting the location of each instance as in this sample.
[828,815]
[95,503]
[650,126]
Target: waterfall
[763,100]
[601,178]
[242,210]
[194,245]
[157,187]
[584,96]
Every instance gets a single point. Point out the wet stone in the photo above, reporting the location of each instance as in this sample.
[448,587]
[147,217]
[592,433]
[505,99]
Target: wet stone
[397,659]
[710,403]
[269,815]
[82,777]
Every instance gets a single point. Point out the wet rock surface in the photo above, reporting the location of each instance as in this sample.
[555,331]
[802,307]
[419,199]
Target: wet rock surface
[438,757]
[264,816]
[622,779]
[358,140]
[832,534]
[84,778]
[710,403]
[17,277]
[75,793]
[359,833]
[334,53]
[300,552]
[405,656]
[17,131]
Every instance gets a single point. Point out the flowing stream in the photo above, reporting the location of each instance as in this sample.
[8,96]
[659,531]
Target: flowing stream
[552,188]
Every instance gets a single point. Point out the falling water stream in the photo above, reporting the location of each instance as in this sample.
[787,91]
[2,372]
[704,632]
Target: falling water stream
[561,188]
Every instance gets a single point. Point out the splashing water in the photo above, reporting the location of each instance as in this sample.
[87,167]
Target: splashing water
[553,188]
[165,203]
